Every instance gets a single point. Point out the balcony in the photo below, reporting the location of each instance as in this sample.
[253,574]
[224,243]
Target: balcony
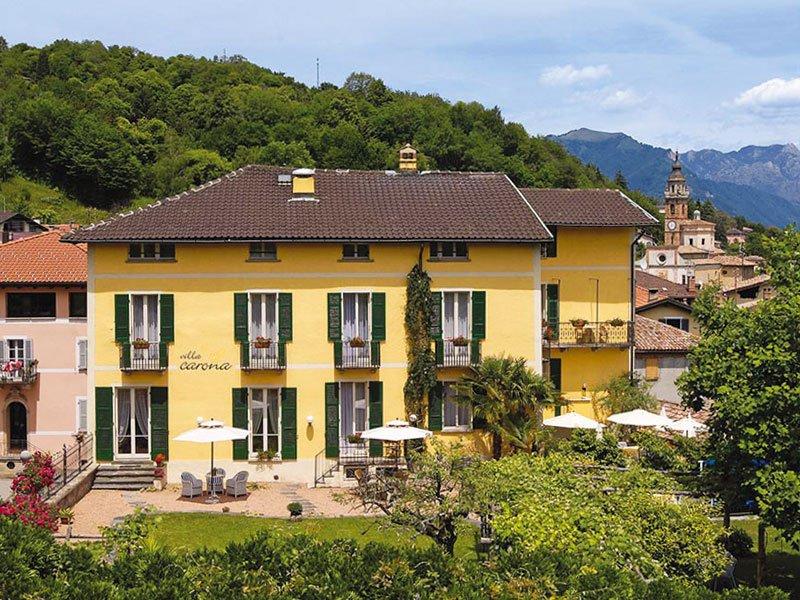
[152,356]
[261,356]
[20,371]
[584,334]
[457,353]
[348,356]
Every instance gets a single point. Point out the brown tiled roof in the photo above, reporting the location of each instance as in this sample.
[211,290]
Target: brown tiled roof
[680,304]
[654,336]
[747,283]
[665,287]
[42,258]
[677,411]
[587,208]
[249,204]
[727,260]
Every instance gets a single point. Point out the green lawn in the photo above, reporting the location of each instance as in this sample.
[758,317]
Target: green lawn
[197,530]
[783,562]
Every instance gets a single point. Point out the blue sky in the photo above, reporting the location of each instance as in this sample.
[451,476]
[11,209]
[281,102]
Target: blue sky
[686,75]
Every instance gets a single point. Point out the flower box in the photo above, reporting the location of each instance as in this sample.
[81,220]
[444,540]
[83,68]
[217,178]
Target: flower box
[357,342]
[355,438]
[140,344]
[578,323]
[262,342]
[460,341]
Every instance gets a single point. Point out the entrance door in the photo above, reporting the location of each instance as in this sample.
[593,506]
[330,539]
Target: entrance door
[133,422]
[353,418]
[18,427]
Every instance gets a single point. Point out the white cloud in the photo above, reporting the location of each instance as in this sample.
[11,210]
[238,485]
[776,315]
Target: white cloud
[773,93]
[569,75]
[621,100]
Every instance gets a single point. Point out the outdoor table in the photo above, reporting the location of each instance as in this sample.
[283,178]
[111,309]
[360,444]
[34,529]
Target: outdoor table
[214,482]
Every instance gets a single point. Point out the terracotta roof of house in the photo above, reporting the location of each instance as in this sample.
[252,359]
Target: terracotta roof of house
[587,208]
[665,287]
[250,204]
[727,260]
[42,258]
[654,336]
[747,283]
[678,411]
[677,303]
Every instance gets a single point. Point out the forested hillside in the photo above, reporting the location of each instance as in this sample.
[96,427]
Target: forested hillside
[110,126]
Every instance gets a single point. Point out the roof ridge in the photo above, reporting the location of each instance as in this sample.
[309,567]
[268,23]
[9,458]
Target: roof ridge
[30,237]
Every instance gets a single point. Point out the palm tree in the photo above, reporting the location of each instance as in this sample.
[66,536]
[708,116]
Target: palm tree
[508,397]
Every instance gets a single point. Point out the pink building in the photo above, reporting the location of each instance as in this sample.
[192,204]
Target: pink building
[43,343]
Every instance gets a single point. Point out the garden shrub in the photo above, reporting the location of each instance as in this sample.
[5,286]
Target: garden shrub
[655,452]
[738,542]
[603,450]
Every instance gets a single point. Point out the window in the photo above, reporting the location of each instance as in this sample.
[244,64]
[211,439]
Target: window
[18,349]
[456,324]
[750,294]
[17,225]
[82,353]
[672,206]
[31,305]
[678,322]
[263,251]
[355,251]
[77,305]
[151,251]
[263,325]
[133,421]
[265,420]
[355,316]
[455,416]
[145,324]
[82,415]
[691,241]
[662,258]
[551,248]
[651,370]
[353,409]
[448,250]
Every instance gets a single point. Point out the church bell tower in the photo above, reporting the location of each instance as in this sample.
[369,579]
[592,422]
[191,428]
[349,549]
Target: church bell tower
[676,204]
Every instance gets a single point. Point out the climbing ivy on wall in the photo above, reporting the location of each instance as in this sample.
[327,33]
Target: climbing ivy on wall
[421,360]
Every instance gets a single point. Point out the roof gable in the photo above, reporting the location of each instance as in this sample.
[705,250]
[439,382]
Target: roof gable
[587,208]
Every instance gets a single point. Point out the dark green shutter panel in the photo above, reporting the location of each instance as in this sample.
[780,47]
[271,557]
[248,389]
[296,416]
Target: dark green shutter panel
[555,379]
[240,333]
[289,423]
[552,308]
[104,423]
[337,354]
[375,415]
[334,316]
[167,308]
[240,419]
[163,355]
[244,355]
[122,329]
[378,316]
[332,420]
[435,326]
[435,407]
[282,354]
[478,315]
[159,415]
[284,317]
[438,352]
[125,356]
[475,352]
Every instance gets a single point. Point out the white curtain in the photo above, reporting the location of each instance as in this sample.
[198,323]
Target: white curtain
[346,425]
[455,414]
[123,412]
[139,331]
[152,324]
[272,420]
[456,321]
[256,322]
[355,323]
[264,323]
[349,327]
[360,407]
[142,413]
[257,419]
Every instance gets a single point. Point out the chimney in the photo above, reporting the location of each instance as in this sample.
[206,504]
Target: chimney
[408,159]
[692,284]
[303,182]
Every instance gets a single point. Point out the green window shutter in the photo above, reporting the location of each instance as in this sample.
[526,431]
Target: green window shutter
[378,316]
[284,317]
[240,419]
[435,407]
[281,354]
[167,309]
[478,315]
[240,329]
[337,354]
[125,356]
[122,316]
[334,316]
[435,326]
[104,423]
[475,352]
[163,355]
[332,420]
[159,415]
[375,415]
[438,352]
[555,378]
[552,307]
[289,423]
[244,355]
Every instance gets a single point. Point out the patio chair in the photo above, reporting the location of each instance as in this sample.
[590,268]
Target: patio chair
[237,485]
[191,485]
[218,483]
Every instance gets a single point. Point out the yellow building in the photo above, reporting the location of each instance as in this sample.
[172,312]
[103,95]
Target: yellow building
[587,275]
[274,300]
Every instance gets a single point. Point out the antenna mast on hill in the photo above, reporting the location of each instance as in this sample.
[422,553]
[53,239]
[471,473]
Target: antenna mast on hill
[318,72]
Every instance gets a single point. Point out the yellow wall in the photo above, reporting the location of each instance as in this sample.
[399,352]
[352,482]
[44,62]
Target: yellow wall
[668,310]
[585,254]
[204,278]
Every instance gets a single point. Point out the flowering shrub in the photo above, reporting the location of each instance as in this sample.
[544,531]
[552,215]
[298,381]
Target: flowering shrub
[37,475]
[160,459]
[26,505]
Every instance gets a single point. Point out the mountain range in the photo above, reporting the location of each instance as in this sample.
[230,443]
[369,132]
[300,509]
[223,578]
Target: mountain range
[761,183]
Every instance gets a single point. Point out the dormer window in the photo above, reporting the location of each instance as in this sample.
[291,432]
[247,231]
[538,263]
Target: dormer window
[355,251]
[151,251]
[263,251]
[449,251]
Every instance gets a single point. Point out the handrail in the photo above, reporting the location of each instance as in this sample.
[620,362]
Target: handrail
[70,461]
[346,356]
[457,352]
[588,333]
[19,371]
[151,358]
[257,356]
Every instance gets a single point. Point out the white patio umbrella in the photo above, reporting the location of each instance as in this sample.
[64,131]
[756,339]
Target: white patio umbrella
[688,426]
[396,431]
[209,432]
[640,418]
[572,420]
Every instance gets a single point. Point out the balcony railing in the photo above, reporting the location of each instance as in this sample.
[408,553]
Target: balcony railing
[457,353]
[588,334]
[255,356]
[150,357]
[20,371]
[347,356]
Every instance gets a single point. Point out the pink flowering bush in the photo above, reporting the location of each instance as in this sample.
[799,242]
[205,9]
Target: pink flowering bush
[26,505]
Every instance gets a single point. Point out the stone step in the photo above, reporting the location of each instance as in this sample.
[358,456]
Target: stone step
[125,466]
[119,486]
[146,479]
[126,473]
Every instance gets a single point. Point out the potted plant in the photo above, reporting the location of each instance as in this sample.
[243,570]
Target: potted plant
[355,438]
[262,342]
[159,474]
[357,342]
[616,322]
[460,341]
[65,515]
[141,344]
[295,510]
[578,323]
[266,455]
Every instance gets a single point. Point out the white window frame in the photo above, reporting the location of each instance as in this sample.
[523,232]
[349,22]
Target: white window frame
[14,338]
[468,334]
[264,389]
[78,428]
[356,255]
[250,294]
[156,252]
[681,319]
[366,406]
[262,246]
[462,428]
[439,254]
[78,342]
[144,314]
[369,312]
[133,389]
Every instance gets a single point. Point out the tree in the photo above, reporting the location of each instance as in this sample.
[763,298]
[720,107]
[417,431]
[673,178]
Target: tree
[421,360]
[432,497]
[621,394]
[508,397]
[620,181]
